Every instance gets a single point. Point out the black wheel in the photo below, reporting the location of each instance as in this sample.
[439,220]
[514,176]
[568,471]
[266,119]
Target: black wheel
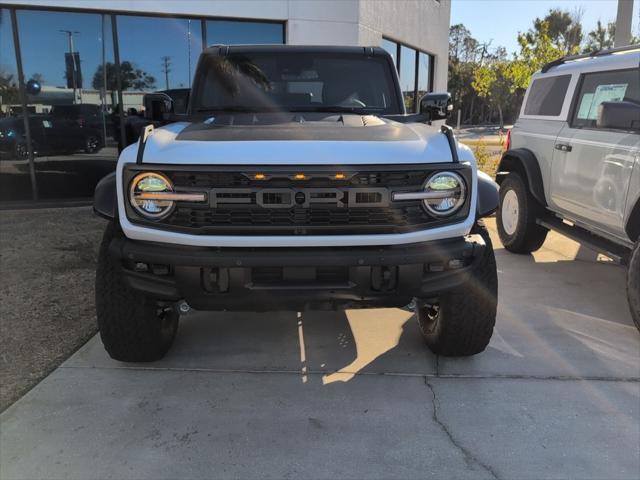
[133,327]
[460,323]
[91,144]
[633,284]
[22,152]
[516,217]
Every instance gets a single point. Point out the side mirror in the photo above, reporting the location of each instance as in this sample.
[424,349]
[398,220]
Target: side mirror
[619,115]
[158,107]
[437,106]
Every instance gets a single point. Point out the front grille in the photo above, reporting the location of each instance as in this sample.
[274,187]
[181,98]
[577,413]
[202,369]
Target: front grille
[358,203]
[300,220]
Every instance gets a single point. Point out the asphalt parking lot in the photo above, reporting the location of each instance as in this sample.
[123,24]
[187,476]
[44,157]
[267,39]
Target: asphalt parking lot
[356,394]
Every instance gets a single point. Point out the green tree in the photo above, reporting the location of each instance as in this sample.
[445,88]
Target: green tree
[493,83]
[603,36]
[9,88]
[38,77]
[535,51]
[132,77]
[563,28]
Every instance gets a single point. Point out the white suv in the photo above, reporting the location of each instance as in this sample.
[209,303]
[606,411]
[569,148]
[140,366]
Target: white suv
[295,181]
[573,160]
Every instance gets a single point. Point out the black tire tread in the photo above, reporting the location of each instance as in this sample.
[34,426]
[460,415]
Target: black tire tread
[633,284]
[468,314]
[529,236]
[130,328]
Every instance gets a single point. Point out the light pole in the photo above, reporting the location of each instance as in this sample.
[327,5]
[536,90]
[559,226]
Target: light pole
[166,68]
[189,48]
[70,34]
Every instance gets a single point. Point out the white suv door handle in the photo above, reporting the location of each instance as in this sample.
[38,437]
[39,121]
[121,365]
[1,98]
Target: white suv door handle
[563,147]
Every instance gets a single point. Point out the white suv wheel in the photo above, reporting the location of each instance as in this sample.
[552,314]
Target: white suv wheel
[516,217]
[510,211]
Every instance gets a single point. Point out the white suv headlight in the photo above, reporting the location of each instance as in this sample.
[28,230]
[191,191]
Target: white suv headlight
[150,195]
[446,193]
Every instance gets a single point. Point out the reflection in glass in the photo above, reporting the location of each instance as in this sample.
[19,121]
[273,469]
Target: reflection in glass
[71,132]
[424,74]
[408,76]
[392,48]
[15,181]
[237,32]
[162,61]
[304,82]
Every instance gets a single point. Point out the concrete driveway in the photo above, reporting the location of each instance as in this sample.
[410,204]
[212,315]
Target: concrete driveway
[356,394]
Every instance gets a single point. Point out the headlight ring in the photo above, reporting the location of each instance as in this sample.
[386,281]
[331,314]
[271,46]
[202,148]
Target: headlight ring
[448,193]
[150,195]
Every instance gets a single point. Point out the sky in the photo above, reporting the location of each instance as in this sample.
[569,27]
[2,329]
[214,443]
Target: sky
[144,41]
[501,20]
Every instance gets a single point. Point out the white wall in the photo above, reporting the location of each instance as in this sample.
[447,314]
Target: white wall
[423,24]
[265,9]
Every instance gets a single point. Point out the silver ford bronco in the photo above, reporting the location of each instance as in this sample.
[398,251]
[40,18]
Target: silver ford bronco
[295,181]
[573,160]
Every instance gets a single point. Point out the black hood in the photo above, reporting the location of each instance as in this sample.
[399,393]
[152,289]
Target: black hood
[296,126]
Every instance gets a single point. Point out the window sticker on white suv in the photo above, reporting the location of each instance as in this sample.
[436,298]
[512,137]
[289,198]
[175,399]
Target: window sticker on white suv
[588,109]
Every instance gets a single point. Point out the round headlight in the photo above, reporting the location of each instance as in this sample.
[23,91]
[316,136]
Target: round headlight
[143,198]
[448,193]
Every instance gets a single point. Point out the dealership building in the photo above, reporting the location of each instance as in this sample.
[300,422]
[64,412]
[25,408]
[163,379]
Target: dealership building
[69,50]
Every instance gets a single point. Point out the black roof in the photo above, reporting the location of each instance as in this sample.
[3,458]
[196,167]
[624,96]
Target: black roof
[279,48]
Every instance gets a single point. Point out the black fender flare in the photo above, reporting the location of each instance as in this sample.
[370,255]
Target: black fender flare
[523,161]
[105,198]
[488,195]
[633,223]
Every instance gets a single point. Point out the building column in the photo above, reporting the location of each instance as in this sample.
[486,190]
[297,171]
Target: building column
[623,23]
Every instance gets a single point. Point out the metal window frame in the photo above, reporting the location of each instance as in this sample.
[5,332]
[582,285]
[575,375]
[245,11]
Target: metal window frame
[23,101]
[418,51]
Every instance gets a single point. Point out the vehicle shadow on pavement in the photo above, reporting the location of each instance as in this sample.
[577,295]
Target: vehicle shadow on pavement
[353,394]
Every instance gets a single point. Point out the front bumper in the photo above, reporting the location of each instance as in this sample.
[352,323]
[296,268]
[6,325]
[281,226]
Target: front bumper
[267,279]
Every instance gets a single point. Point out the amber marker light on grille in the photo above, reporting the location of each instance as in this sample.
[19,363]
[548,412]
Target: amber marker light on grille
[340,176]
[259,176]
[299,176]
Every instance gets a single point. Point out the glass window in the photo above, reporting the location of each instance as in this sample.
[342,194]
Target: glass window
[162,61]
[15,180]
[546,95]
[392,48]
[236,32]
[156,54]
[424,74]
[605,87]
[408,77]
[71,131]
[295,82]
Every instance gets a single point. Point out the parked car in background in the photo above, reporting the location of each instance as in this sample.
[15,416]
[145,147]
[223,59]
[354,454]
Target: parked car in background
[573,162]
[135,121]
[50,135]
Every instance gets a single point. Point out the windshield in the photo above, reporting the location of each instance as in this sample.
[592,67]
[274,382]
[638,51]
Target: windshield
[295,81]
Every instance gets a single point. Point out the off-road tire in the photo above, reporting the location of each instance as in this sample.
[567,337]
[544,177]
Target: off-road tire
[91,144]
[633,284]
[133,327]
[465,317]
[528,235]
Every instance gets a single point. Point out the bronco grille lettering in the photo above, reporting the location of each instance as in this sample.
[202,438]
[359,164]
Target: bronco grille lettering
[300,197]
